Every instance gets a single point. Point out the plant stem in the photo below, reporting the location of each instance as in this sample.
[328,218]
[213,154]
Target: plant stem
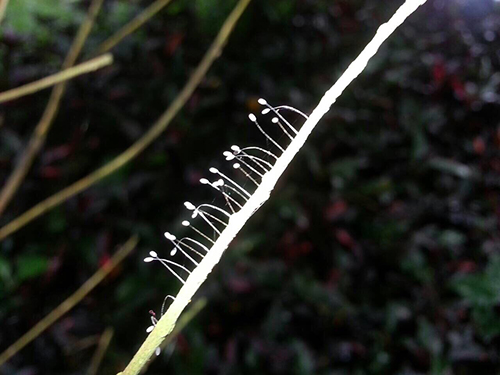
[102,346]
[183,321]
[62,76]
[238,220]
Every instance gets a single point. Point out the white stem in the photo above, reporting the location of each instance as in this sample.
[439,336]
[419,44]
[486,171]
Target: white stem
[261,194]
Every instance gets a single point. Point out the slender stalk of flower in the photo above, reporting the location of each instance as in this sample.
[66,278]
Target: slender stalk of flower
[235,191]
[172,239]
[251,159]
[261,163]
[247,175]
[188,224]
[216,171]
[216,185]
[253,118]
[182,242]
[237,149]
[154,256]
[261,194]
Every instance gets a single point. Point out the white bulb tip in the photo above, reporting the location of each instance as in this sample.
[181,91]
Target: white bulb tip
[230,157]
[236,165]
[213,170]
[252,117]
[203,181]
[153,254]
[274,120]
[148,260]
[189,206]
[173,252]
[235,148]
[150,329]
[169,236]
[262,101]
[186,223]
[265,111]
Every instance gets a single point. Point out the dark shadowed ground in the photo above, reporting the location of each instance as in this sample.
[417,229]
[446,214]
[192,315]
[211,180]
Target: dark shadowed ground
[378,252]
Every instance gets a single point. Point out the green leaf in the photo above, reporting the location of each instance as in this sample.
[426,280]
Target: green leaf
[482,292]
[6,280]
[31,266]
[27,16]
[482,289]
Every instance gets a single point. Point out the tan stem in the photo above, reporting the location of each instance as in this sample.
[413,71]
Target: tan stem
[62,76]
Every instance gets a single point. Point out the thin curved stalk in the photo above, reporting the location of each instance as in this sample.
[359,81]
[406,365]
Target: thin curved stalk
[166,324]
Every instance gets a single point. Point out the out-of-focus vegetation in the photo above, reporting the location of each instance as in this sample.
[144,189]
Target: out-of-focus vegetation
[377,253]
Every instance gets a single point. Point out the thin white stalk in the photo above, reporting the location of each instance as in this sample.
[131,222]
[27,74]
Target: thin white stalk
[262,193]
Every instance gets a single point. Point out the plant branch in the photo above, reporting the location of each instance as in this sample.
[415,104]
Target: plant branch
[158,127]
[37,139]
[3,7]
[183,322]
[166,324]
[102,346]
[71,301]
[63,75]
[133,25]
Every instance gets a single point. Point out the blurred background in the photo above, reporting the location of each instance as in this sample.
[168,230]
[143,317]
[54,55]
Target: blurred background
[378,251]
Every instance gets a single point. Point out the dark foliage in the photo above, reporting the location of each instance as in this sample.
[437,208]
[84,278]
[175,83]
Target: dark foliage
[378,251]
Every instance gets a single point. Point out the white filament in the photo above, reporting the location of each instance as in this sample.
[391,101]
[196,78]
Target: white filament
[252,118]
[216,171]
[238,167]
